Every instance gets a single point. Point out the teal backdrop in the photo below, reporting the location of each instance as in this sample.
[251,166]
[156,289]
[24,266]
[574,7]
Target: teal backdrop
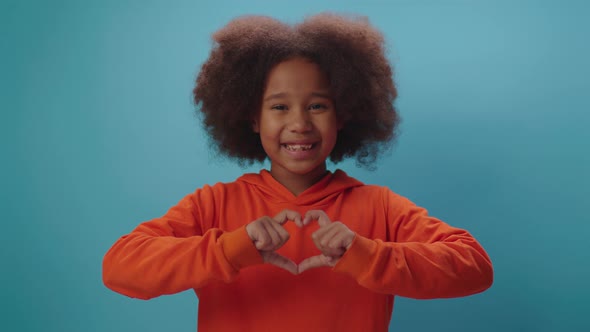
[98,135]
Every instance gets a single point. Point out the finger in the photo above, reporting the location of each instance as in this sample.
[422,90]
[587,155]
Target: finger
[333,252]
[342,239]
[334,247]
[325,234]
[278,260]
[282,233]
[319,215]
[317,238]
[334,236]
[261,237]
[285,215]
[274,237]
[315,262]
[324,241]
[321,236]
[322,231]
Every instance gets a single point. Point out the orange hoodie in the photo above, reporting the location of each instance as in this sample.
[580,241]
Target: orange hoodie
[201,243]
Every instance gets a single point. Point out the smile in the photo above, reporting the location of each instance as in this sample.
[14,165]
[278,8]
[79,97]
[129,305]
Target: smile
[298,147]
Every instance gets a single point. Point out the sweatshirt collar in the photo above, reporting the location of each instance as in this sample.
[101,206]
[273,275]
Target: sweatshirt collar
[322,192]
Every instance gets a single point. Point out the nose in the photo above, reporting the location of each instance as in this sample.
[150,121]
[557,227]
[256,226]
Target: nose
[300,120]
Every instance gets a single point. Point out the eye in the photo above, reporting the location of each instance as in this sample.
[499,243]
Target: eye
[318,107]
[279,107]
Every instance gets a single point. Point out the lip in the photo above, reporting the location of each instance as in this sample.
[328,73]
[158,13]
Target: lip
[303,154]
[305,142]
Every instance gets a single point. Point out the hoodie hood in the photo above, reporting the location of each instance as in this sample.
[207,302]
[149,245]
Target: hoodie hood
[322,192]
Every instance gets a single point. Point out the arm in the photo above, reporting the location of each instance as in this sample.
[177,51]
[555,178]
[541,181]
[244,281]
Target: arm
[426,259]
[172,254]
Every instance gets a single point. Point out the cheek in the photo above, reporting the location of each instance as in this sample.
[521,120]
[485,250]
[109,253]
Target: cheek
[269,136]
[333,139]
[268,133]
[330,136]
[331,130]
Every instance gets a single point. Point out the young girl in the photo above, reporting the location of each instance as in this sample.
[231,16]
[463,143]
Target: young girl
[297,248]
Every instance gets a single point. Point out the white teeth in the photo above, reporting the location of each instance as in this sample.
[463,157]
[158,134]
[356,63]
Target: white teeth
[298,147]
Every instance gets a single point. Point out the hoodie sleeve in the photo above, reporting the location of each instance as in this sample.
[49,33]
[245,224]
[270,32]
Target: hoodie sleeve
[172,253]
[427,258]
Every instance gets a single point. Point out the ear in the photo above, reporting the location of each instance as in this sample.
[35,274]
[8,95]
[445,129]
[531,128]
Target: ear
[255,126]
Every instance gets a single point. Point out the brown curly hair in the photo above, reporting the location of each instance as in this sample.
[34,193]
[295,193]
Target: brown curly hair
[230,85]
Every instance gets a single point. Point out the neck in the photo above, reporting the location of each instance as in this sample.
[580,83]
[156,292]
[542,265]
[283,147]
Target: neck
[297,183]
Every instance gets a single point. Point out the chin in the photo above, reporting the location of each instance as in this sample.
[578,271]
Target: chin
[305,170]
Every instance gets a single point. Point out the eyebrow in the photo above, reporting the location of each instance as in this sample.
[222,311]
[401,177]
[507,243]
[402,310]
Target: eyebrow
[283,94]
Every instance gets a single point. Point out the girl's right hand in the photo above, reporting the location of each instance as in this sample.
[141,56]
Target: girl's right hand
[269,235]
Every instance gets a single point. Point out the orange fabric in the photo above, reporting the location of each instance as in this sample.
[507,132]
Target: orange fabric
[201,243]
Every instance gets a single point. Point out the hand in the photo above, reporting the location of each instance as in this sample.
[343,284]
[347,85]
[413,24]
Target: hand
[332,238]
[269,235]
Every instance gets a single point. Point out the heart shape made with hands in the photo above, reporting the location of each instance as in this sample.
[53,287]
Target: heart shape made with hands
[332,239]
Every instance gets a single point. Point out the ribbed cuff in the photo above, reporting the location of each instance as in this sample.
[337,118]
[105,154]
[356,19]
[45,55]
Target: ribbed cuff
[357,257]
[239,249]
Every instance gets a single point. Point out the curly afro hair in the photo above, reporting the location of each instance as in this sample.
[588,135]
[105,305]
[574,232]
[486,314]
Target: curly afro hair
[230,85]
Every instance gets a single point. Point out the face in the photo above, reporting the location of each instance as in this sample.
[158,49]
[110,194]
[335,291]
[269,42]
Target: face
[297,121]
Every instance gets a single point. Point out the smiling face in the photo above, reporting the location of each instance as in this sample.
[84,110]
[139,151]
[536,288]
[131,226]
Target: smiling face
[297,122]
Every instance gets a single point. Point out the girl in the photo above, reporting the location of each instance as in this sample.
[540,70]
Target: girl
[297,248]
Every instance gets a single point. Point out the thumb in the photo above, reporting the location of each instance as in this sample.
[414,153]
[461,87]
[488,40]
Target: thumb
[315,262]
[279,260]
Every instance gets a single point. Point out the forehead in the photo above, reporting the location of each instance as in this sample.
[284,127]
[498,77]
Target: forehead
[296,74]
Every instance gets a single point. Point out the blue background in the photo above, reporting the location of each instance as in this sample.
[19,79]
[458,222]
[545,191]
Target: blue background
[98,135]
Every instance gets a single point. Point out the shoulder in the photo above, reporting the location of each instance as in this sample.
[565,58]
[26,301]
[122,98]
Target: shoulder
[370,189]
[361,191]
[382,195]
[218,191]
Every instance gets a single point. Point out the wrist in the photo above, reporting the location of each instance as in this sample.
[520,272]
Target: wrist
[239,249]
[351,241]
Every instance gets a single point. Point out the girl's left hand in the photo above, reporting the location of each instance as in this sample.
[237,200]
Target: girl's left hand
[332,238]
